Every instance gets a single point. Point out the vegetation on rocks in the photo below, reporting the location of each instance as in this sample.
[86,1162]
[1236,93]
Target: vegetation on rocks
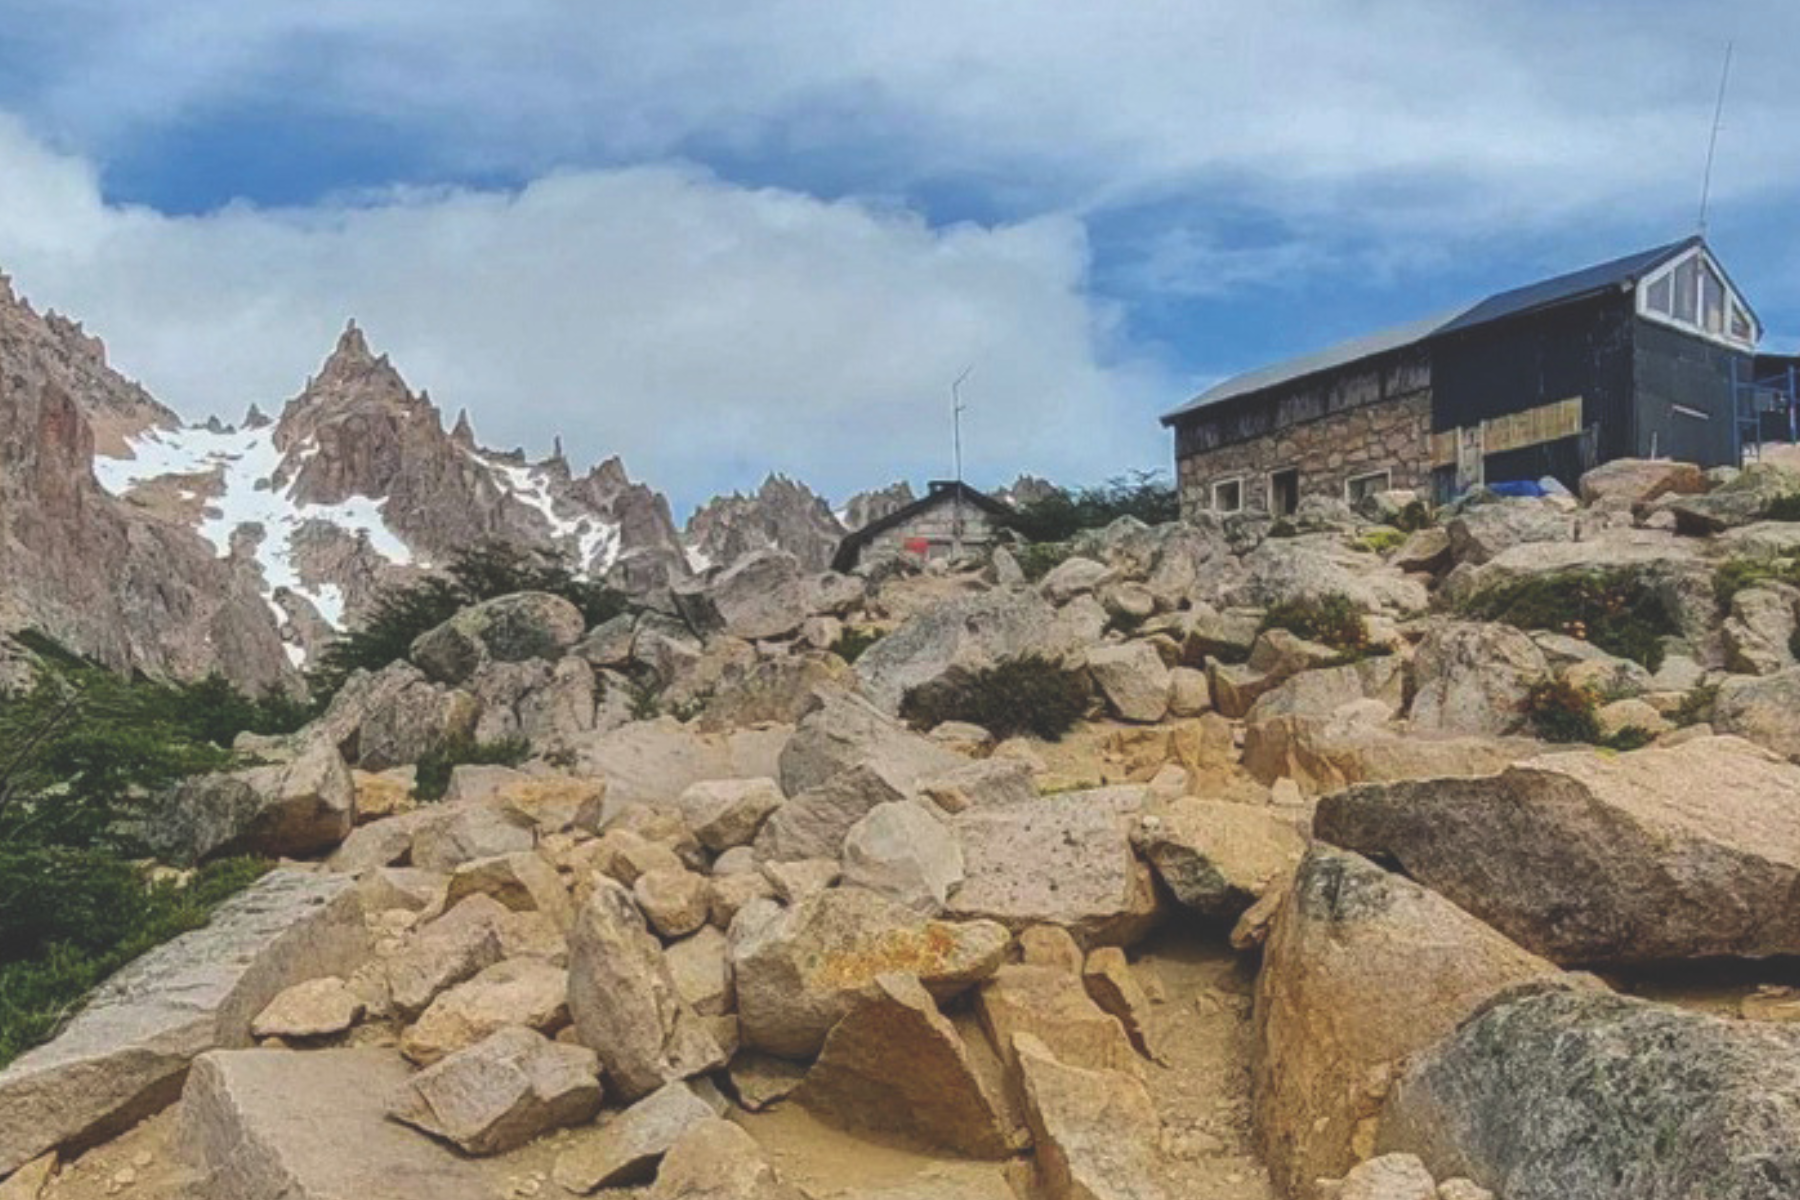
[1568,713]
[485,572]
[1616,610]
[853,641]
[1030,695]
[1332,620]
[1380,541]
[1738,574]
[434,767]
[1038,559]
[83,755]
[1146,495]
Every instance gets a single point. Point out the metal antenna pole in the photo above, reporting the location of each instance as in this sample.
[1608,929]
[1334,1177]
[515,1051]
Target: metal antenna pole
[1712,146]
[956,412]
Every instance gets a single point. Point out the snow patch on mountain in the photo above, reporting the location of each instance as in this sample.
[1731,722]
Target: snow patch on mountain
[243,464]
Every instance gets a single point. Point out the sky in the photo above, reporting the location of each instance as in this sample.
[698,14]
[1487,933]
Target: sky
[722,238]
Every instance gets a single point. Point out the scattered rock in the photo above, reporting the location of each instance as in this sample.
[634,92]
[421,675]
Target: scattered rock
[894,1063]
[1474,678]
[1215,857]
[503,1092]
[1053,1006]
[675,902]
[294,808]
[728,812]
[901,851]
[1095,1130]
[506,629]
[1133,679]
[624,1001]
[716,1160]
[286,1125]
[1111,985]
[316,1008]
[626,1149]
[1390,1177]
[1761,710]
[800,970]
[522,882]
[123,1056]
[516,991]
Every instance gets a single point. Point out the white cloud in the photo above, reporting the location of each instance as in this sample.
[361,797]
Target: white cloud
[707,332]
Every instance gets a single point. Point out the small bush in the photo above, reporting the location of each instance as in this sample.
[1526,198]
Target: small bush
[1332,620]
[1632,737]
[69,919]
[1030,695]
[1038,559]
[852,642]
[1615,610]
[433,777]
[1413,517]
[1563,712]
[1783,508]
[1697,706]
[1739,574]
[1380,541]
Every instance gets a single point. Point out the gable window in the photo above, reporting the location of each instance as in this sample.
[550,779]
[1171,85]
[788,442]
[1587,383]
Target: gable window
[1228,495]
[1693,294]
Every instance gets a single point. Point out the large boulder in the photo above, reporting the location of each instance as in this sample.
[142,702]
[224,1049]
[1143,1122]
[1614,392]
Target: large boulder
[1314,568]
[967,633]
[506,629]
[311,1125]
[654,762]
[1215,857]
[765,594]
[1759,632]
[843,731]
[624,1001]
[1061,860]
[516,991]
[1361,970]
[299,807]
[443,952]
[1323,755]
[816,821]
[1671,569]
[124,1054]
[502,1092]
[800,970]
[1591,858]
[896,1064]
[1583,1093]
[1762,710]
[1320,692]
[1474,678]
[716,1160]
[1133,679]
[1627,484]
[1483,532]
[412,721]
[1743,500]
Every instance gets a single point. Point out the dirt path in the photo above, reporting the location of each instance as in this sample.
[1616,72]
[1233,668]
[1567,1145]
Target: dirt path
[1201,1092]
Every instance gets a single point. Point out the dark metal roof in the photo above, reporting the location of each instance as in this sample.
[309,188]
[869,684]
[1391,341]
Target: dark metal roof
[1562,289]
[941,491]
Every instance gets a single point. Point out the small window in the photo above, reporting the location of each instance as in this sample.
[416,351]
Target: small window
[1661,296]
[1228,496]
[1359,487]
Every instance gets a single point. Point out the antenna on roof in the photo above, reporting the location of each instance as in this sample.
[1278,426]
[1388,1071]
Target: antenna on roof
[956,412]
[1712,145]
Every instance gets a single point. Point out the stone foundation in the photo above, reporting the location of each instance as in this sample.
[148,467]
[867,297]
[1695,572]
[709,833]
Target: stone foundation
[1392,436]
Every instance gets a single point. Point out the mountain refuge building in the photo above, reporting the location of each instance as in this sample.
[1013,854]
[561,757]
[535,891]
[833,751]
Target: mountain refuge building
[951,518]
[1654,355]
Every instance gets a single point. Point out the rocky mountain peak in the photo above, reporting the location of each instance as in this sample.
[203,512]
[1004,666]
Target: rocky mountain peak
[783,514]
[867,507]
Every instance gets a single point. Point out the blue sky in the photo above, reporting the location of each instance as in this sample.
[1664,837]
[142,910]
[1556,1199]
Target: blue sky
[726,238]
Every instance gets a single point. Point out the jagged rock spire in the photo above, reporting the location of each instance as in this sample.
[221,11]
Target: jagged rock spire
[464,433]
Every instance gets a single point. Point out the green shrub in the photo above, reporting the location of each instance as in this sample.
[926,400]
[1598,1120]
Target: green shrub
[1416,515]
[69,919]
[1563,712]
[1615,610]
[434,767]
[1697,706]
[1332,620]
[1018,696]
[853,641]
[1038,559]
[1632,737]
[1380,541]
[1146,495]
[401,614]
[1737,574]
[1783,508]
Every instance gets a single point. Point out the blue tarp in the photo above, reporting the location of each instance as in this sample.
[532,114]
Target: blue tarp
[1518,487]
